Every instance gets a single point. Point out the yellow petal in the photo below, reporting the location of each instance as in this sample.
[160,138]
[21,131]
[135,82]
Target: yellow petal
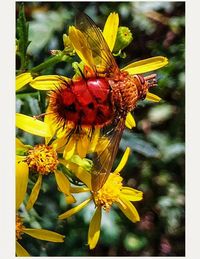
[20,147]
[21,181]
[70,199]
[152,97]
[129,210]
[20,251]
[130,122]
[94,229]
[49,119]
[34,194]
[110,30]
[123,161]
[69,149]
[94,140]
[48,82]
[19,144]
[22,80]
[32,125]
[44,234]
[131,194]
[79,189]
[63,131]
[62,182]
[59,144]
[80,45]
[74,210]
[80,173]
[146,65]
[82,146]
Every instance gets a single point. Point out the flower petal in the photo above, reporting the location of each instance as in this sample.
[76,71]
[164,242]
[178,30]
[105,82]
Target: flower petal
[34,194]
[79,189]
[94,229]
[22,80]
[80,173]
[21,181]
[80,45]
[69,149]
[94,140]
[48,82]
[20,251]
[44,234]
[62,182]
[146,65]
[129,210]
[130,121]
[74,210]
[20,145]
[82,146]
[110,30]
[123,161]
[131,194]
[32,125]
[49,119]
[21,149]
[70,199]
[20,158]
[59,144]
[152,97]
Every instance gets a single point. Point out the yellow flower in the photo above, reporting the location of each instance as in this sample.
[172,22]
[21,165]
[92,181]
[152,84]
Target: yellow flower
[42,234]
[110,33]
[112,192]
[51,82]
[23,79]
[43,160]
[65,129]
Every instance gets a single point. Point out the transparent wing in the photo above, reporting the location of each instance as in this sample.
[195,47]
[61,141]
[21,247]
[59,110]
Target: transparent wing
[102,56]
[105,154]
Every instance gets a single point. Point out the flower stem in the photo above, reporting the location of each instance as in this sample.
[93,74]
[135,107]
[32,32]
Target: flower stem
[51,61]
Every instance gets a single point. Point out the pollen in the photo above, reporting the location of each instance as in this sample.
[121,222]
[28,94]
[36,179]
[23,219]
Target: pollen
[42,159]
[109,193]
[19,227]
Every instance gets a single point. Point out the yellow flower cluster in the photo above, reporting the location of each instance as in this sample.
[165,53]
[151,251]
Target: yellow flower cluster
[65,146]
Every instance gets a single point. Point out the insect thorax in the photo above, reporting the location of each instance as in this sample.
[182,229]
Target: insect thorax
[126,91]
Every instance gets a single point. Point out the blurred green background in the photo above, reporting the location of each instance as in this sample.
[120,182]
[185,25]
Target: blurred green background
[157,163]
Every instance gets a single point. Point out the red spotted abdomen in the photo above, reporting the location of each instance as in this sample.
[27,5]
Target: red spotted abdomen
[83,102]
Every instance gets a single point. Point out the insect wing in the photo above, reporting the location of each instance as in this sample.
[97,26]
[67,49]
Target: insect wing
[105,154]
[102,56]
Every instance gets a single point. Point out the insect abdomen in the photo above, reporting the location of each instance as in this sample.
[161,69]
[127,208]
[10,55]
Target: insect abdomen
[84,102]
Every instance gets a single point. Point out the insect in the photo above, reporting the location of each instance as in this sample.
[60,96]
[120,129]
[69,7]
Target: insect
[101,97]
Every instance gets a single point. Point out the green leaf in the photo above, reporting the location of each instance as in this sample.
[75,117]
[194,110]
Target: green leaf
[22,35]
[138,144]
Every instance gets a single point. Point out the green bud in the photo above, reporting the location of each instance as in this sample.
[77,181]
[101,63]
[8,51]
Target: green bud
[68,48]
[124,38]
[83,162]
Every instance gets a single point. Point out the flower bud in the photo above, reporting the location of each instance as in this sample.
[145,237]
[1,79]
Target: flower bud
[124,38]
[67,44]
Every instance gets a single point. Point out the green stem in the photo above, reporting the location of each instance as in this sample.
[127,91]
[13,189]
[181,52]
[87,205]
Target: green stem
[51,61]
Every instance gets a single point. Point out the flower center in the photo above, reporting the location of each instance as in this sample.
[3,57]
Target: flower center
[42,159]
[109,193]
[19,227]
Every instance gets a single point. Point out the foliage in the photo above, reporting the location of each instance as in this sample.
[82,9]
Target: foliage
[157,164]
